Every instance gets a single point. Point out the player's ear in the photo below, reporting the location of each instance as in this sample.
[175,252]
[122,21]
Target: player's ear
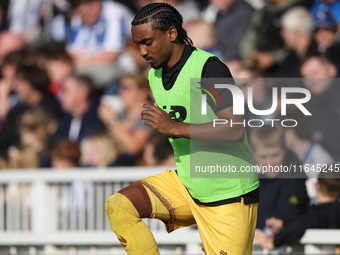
[172,33]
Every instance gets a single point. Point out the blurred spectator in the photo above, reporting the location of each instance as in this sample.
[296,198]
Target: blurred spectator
[297,28]
[3,15]
[299,140]
[65,154]
[126,126]
[187,8]
[73,199]
[281,197]
[36,129]
[59,66]
[101,150]
[129,4]
[9,42]
[203,35]
[24,18]
[158,151]
[324,104]
[224,15]
[324,215]
[325,27]
[22,157]
[38,54]
[262,45]
[9,69]
[3,163]
[310,153]
[139,4]
[250,78]
[332,5]
[32,91]
[97,37]
[235,66]
[80,110]
[60,23]
[262,95]
[32,88]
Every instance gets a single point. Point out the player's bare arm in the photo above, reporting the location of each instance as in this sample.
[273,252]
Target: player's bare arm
[161,121]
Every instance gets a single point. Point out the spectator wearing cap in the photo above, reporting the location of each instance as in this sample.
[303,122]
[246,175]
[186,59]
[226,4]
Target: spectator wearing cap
[32,91]
[325,29]
[332,5]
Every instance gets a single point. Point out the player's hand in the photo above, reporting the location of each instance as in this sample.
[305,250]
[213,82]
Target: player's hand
[158,119]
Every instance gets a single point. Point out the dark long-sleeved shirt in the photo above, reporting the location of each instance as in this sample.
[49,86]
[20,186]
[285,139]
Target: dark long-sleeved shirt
[325,215]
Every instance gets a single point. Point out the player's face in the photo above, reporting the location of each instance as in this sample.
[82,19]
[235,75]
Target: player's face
[154,45]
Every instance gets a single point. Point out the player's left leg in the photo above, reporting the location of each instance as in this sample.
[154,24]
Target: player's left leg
[226,229]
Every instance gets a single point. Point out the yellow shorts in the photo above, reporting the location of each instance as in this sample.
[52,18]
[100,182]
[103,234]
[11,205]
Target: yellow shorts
[225,229]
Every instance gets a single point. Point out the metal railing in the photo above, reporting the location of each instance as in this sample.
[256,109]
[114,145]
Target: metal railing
[62,212]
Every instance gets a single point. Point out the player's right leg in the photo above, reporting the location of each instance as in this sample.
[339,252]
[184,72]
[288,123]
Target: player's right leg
[125,210]
[158,197]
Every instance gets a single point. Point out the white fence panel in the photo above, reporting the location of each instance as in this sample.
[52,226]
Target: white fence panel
[63,212]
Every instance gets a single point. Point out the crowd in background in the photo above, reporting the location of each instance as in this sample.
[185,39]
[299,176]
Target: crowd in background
[72,82]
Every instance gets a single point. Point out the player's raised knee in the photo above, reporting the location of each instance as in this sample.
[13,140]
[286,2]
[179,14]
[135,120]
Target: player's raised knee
[113,204]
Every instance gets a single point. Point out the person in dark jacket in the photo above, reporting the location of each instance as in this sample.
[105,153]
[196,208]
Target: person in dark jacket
[80,117]
[282,194]
[326,214]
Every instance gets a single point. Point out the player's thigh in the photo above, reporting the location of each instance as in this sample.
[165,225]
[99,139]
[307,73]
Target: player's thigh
[168,199]
[227,229]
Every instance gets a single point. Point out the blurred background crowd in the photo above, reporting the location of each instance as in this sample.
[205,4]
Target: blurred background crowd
[72,83]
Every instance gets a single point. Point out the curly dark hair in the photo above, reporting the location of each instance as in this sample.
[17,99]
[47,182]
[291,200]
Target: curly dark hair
[162,16]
